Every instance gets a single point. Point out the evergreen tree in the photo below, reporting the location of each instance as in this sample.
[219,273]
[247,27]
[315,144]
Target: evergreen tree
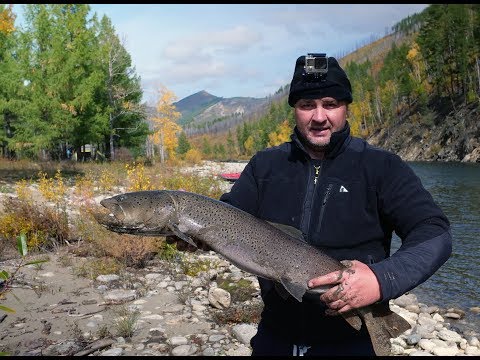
[183,144]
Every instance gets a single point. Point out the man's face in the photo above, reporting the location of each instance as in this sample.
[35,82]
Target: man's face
[317,119]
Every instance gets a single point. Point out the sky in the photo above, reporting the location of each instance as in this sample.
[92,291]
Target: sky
[232,50]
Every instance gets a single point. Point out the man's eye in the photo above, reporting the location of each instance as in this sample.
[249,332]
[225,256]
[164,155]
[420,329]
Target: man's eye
[330,105]
[307,105]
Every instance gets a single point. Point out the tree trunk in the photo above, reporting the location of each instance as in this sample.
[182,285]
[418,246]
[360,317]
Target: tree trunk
[112,150]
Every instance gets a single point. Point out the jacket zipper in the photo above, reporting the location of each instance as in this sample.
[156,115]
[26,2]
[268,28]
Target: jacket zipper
[324,204]
[318,170]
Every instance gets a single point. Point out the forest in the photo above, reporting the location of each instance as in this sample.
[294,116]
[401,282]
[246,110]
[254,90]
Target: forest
[69,81]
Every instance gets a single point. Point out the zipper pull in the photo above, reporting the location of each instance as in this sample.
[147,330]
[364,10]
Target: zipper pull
[317,171]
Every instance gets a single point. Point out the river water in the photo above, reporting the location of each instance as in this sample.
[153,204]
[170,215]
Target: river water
[456,189]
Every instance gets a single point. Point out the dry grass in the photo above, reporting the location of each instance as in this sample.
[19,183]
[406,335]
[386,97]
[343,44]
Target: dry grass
[54,204]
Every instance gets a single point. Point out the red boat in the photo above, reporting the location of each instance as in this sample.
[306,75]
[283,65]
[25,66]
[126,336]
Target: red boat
[230,176]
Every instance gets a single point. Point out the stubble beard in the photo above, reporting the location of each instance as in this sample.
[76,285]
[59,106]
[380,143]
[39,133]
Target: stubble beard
[313,146]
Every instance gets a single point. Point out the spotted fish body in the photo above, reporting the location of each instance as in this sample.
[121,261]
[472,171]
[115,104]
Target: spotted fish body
[252,244]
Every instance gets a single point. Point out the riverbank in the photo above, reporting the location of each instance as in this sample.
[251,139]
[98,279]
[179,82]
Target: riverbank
[167,312]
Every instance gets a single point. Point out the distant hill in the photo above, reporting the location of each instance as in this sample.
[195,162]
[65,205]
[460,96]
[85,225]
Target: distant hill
[203,112]
[193,105]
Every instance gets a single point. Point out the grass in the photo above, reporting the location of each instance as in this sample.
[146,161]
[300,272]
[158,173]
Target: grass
[241,290]
[125,323]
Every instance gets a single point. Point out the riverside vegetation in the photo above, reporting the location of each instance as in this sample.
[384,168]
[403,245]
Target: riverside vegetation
[82,289]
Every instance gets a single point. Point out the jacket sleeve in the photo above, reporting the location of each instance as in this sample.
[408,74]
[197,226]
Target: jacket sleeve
[244,192]
[409,209]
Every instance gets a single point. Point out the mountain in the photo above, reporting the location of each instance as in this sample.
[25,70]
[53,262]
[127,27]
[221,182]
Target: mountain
[193,105]
[203,112]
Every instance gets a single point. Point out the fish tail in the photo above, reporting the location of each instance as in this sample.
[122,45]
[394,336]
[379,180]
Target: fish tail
[382,325]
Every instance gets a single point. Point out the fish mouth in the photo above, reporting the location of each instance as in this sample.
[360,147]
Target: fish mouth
[111,215]
[116,210]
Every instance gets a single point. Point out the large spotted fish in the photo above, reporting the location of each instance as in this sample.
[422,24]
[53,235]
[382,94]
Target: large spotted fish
[253,245]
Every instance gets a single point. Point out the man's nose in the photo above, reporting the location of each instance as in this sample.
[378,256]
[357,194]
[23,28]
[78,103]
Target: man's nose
[319,114]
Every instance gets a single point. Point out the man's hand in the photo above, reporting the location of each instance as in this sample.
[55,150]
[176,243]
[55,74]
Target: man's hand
[356,286]
[184,246]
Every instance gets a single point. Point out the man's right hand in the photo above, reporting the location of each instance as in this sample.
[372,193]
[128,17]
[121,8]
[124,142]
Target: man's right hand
[184,246]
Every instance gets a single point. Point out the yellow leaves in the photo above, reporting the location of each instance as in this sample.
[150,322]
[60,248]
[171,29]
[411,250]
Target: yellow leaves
[52,189]
[249,145]
[7,20]
[137,178]
[193,156]
[165,125]
[412,54]
[281,135]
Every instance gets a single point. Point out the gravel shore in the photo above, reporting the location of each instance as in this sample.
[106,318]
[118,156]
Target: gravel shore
[159,310]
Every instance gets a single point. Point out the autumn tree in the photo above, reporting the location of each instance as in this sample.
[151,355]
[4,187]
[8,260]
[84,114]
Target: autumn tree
[164,123]
[281,135]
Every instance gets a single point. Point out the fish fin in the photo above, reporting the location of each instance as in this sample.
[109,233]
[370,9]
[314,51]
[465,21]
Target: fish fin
[174,229]
[290,230]
[202,231]
[319,290]
[353,319]
[295,289]
[281,290]
[382,324]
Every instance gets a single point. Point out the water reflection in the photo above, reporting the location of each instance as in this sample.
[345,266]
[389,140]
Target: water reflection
[455,187]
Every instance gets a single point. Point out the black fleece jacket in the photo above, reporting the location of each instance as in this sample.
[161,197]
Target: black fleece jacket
[348,205]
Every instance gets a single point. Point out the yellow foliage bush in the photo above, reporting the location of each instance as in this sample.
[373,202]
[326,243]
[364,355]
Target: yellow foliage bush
[22,191]
[84,185]
[193,156]
[137,178]
[107,181]
[43,226]
[52,189]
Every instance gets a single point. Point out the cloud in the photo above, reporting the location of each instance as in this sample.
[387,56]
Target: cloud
[205,45]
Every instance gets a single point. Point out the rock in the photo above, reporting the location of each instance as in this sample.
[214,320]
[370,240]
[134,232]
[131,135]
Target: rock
[120,295]
[112,352]
[445,351]
[107,278]
[472,350]
[244,332]
[420,353]
[406,300]
[177,340]
[449,335]
[219,298]
[184,350]
[452,315]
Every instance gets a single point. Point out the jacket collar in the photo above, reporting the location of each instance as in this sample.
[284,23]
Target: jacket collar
[338,142]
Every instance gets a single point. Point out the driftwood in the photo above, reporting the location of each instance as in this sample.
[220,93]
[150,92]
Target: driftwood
[95,346]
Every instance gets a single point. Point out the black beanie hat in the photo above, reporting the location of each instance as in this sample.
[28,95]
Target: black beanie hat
[335,84]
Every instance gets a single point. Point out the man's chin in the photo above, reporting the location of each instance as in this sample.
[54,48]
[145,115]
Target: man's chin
[317,147]
[319,143]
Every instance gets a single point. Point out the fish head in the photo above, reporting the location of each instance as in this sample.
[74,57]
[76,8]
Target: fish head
[140,212]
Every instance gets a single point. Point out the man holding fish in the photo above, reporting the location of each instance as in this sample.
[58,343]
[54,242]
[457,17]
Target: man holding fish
[347,198]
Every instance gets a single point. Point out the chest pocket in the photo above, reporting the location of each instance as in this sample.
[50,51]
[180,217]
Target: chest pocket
[345,213]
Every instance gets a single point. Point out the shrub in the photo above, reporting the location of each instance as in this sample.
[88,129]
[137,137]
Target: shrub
[45,227]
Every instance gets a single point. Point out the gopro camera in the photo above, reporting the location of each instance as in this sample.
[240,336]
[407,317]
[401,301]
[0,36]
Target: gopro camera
[316,66]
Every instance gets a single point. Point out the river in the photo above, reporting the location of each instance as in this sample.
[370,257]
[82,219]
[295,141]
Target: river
[455,187]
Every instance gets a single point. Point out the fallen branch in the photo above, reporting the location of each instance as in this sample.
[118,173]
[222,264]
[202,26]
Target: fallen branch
[95,346]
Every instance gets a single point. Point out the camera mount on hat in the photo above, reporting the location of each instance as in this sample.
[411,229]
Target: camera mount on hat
[316,67]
